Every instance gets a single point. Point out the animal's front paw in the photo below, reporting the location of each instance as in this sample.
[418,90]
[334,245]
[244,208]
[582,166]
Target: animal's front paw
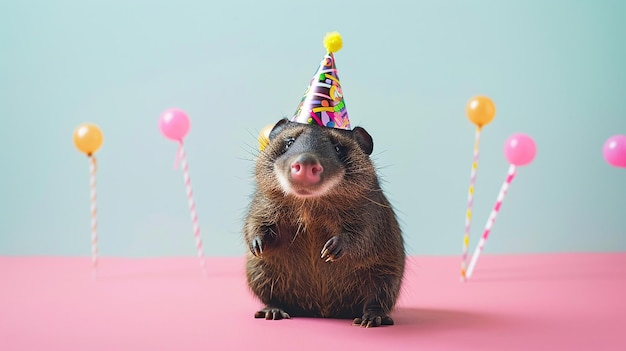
[333,249]
[373,318]
[272,313]
[256,246]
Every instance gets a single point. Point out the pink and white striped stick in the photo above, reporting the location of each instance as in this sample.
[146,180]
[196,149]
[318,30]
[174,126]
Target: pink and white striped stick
[492,218]
[470,202]
[94,212]
[192,205]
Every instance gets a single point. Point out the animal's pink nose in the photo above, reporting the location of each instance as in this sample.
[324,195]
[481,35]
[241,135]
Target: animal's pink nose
[306,170]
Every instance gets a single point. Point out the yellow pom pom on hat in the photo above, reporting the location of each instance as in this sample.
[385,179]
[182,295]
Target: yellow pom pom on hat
[323,103]
[333,42]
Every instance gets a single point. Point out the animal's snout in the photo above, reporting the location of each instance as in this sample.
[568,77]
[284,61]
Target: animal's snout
[306,169]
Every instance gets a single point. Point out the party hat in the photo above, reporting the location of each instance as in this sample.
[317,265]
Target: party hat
[323,102]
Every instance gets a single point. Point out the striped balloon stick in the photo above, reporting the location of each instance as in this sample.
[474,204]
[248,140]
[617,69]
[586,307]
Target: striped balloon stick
[192,206]
[470,203]
[492,218]
[94,214]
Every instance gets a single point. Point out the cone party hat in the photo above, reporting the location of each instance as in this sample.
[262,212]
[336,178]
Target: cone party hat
[323,102]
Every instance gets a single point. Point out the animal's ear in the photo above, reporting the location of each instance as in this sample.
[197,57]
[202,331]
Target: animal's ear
[364,139]
[278,127]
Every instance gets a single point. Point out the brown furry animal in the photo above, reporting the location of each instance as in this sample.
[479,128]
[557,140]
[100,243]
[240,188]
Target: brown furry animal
[324,240]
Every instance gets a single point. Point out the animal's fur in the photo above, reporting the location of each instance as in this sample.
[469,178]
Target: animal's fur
[360,274]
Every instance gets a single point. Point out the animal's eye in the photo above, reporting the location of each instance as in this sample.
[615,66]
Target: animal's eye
[338,149]
[289,142]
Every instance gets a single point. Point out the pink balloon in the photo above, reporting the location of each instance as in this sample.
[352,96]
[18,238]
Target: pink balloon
[520,149]
[174,124]
[614,151]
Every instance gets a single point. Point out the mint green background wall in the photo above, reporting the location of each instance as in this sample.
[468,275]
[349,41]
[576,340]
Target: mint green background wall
[555,69]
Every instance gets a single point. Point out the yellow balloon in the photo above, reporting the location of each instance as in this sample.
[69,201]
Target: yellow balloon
[264,136]
[88,138]
[480,110]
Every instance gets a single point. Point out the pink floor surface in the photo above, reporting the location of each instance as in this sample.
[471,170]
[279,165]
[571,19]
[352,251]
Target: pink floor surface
[529,302]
